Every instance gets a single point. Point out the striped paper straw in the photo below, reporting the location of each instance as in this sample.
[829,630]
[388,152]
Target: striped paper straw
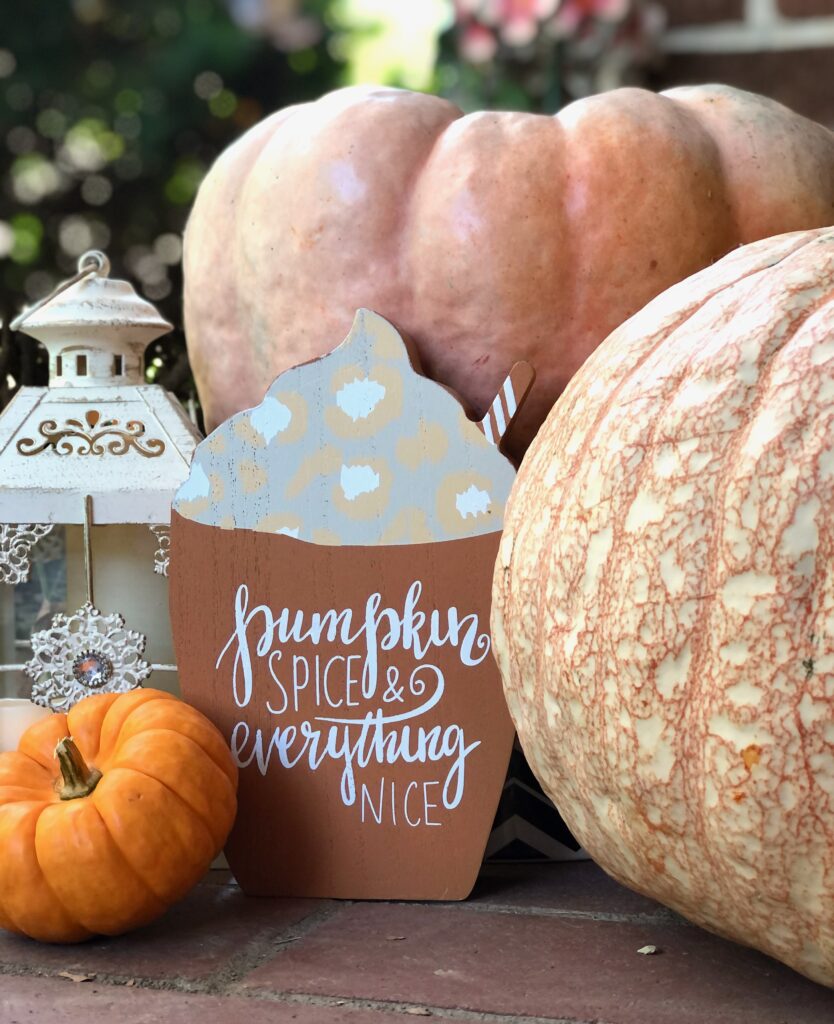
[506,403]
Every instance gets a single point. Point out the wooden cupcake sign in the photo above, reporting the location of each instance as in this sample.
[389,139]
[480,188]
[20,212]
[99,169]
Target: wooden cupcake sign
[331,565]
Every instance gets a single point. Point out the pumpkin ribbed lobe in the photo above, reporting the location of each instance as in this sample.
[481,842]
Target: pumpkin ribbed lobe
[488,238]
[78,779]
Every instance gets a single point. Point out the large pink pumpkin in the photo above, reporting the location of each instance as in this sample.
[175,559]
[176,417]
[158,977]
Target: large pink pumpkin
[664,600]
[487,238]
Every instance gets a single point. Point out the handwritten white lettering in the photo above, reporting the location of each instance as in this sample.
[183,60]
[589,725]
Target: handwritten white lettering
[338,730]
[410,628]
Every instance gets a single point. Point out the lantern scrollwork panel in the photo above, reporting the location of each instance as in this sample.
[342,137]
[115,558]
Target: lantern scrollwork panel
[161,556]
[16,543]
[77,438]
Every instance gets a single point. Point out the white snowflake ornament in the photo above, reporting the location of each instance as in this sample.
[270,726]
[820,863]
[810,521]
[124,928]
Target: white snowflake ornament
[82,654]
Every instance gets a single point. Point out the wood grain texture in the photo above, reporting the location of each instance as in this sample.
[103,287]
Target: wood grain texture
[295,835]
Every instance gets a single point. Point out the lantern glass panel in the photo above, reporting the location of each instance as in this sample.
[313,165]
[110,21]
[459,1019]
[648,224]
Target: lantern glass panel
[29,606]
[123,580]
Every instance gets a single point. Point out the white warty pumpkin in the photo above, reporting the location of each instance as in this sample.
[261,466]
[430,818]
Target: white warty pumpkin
[664,600]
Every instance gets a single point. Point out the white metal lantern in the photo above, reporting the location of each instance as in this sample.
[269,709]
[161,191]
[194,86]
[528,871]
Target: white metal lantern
[88,468]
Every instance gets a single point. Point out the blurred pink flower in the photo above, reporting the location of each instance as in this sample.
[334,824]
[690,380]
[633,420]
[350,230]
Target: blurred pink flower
[500,12]
[518,22]
[477,43]
[598,44]
[571,14]
[285,21]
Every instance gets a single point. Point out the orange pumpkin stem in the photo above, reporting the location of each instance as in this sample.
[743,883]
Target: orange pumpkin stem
[78,778]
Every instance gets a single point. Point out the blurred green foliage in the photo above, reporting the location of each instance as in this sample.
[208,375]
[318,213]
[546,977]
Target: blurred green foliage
[111,111]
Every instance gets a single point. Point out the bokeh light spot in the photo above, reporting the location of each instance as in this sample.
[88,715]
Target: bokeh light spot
[96,190]
[21,139]
[19,96]
[100,74]
[223,104]
[34,177]
[168,248]
[182,186]
[128,101]
[75,236]
[208,84]
[28,233]
[51,123]
[8,63]
[168,21]
[88,12]
[6,239]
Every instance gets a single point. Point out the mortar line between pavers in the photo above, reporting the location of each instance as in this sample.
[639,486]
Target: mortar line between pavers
[660,916]
[265,946]
[192,986]
[269,944]
[187,986]
[407,1008]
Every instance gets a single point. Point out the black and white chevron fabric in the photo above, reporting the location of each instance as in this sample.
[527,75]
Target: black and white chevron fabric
[527,825]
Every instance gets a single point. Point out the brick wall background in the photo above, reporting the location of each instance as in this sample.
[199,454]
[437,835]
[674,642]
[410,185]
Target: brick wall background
[780,48]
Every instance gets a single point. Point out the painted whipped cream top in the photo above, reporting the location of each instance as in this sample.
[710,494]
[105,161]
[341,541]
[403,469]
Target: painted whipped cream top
[354,448]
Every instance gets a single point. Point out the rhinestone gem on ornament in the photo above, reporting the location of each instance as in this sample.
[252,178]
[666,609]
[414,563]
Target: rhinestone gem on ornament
[92,669]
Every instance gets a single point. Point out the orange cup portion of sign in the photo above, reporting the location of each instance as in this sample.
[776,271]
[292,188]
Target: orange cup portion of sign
[357,689]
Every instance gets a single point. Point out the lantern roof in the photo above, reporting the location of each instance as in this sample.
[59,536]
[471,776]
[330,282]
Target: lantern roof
[98,429]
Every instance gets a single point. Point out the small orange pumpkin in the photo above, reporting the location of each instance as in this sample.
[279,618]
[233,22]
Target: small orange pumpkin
[109,814]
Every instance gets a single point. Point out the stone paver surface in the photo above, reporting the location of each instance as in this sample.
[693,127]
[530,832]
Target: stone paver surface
[194,940]
[36,1000]
[541,966]
[533,944]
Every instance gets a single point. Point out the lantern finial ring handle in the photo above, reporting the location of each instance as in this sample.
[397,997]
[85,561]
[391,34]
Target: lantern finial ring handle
[92,262]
